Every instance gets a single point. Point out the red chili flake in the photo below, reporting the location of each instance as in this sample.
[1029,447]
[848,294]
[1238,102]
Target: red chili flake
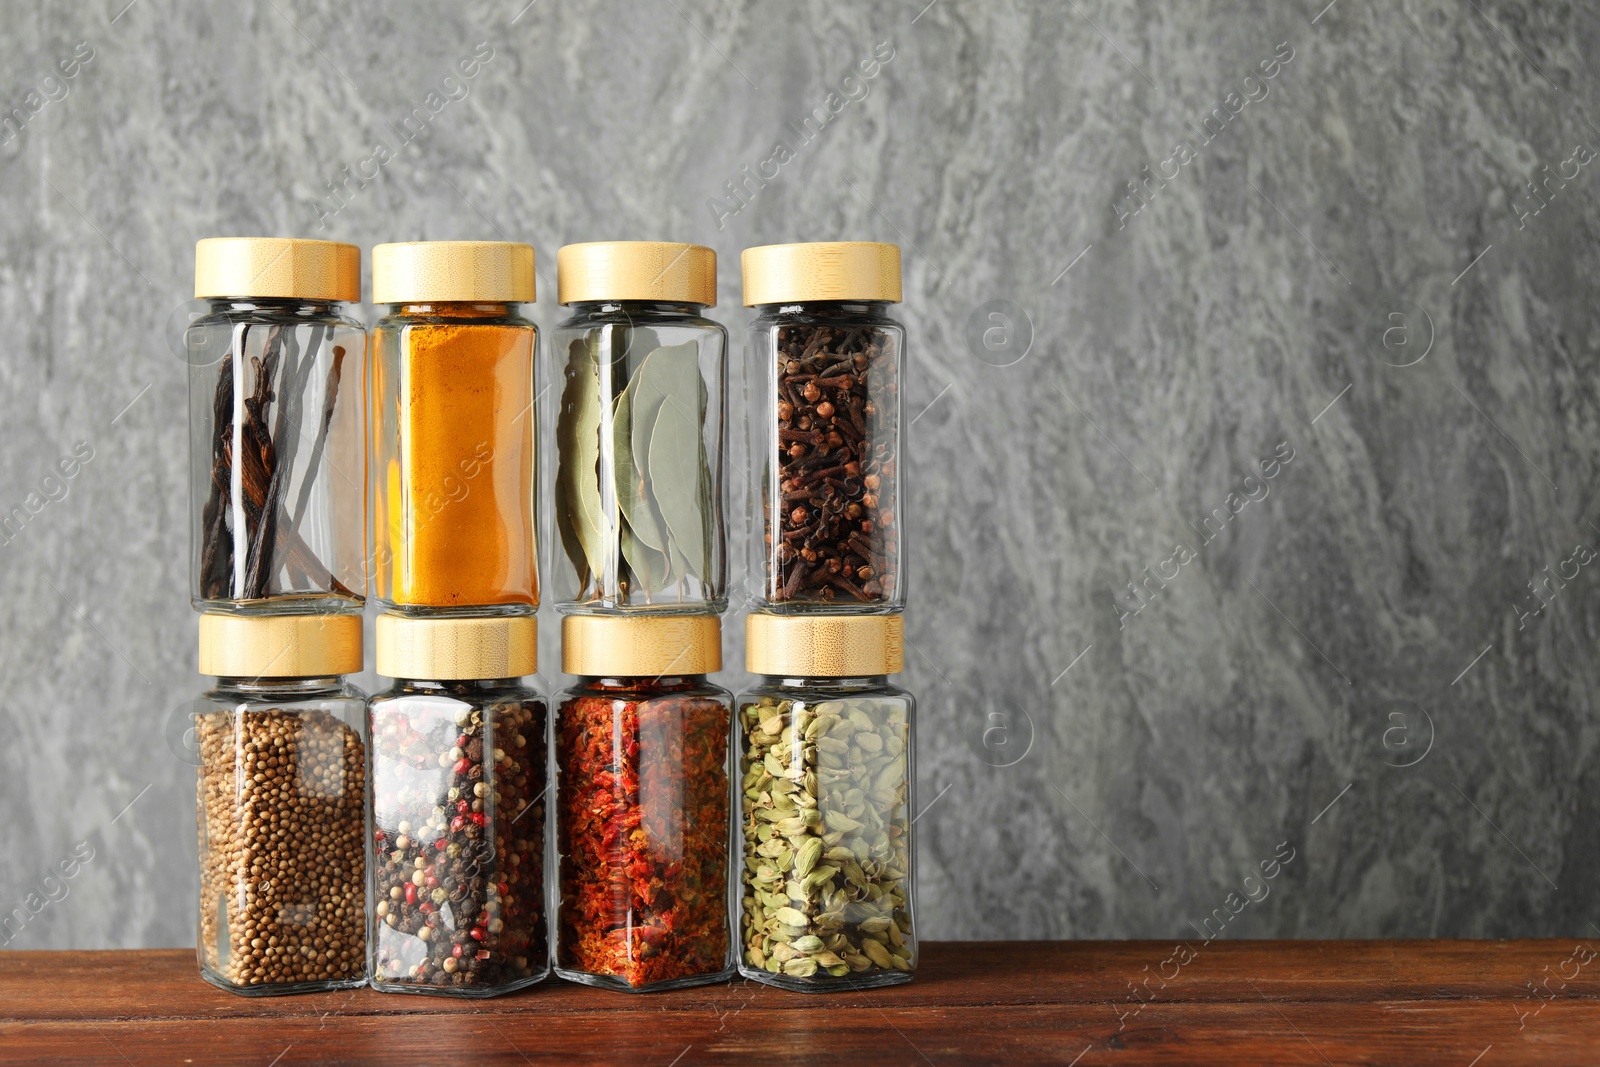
[643,831]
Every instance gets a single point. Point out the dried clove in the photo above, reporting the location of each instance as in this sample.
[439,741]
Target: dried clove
[835,456]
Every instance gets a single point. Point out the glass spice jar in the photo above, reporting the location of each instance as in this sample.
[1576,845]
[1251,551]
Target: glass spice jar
[458,827]
[642,802]
[825,766]
[454,442]
[282,804]
[275,423]
[639,430]
[825,425]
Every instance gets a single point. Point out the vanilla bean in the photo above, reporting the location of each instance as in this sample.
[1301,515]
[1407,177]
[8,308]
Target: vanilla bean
[215,563]
[279,459]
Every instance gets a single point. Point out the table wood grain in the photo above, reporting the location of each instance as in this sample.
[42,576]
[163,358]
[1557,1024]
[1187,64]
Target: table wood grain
[1463,1003]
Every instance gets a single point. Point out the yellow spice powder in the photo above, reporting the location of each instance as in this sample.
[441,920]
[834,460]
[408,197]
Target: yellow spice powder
[455,455]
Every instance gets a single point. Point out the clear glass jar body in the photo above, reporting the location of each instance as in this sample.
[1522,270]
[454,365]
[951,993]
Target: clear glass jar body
[643,833]
[453,460]
[825,447]
[276,463]
[458,838]
[638,465]
[282,821]
[827,861]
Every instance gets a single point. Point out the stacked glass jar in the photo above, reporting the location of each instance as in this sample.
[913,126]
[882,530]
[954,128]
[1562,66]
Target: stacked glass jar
[275,413]
[824,741]
[458,830]
[641,741]
[459,752]
[454,438]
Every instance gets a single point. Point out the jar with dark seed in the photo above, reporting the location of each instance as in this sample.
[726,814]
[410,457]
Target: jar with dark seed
[459,760]
[282,804]
[825,426]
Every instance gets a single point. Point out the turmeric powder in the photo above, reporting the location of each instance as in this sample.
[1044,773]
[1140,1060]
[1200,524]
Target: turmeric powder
[453,454]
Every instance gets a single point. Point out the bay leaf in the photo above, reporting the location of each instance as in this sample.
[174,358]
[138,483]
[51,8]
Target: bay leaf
[677,470]
[648,565]
[655,375]
[566,448]
[634,501]
[579,456]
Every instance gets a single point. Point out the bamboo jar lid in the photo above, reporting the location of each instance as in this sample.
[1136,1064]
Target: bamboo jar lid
[821,270]
[279,646]
[637,646]
[824,646]
[426,272]
[443,649]
[636,270]
[277,267]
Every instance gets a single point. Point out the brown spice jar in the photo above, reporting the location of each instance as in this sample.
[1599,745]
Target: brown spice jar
[831,532]
[282,867]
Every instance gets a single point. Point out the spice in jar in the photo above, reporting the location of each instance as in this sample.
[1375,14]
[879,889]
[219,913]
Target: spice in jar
[643,836]
[453,451]
[826,427]
[826,827]
[639,430]
[275,390]
[282,868]
[838,396]
[636,492]
[458,840]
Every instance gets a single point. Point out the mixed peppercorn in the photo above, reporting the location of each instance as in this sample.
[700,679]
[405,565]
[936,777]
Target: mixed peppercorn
[458,842]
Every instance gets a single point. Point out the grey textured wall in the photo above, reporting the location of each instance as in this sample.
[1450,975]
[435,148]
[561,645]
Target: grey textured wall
[1350,272]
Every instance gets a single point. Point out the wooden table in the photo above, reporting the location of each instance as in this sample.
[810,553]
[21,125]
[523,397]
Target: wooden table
[1461,1003]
